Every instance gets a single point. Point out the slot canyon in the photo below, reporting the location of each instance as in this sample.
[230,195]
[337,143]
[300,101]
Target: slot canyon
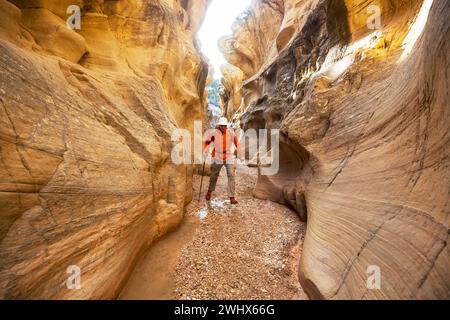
[87,117]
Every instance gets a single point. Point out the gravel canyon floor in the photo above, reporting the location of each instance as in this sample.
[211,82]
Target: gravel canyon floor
[249,251]
[90,120]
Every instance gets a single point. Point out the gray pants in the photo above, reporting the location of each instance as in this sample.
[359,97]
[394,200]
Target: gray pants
[215,172]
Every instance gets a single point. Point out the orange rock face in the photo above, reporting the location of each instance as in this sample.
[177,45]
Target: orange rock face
[232,82]
[250,46]
[86,118]
[364,117]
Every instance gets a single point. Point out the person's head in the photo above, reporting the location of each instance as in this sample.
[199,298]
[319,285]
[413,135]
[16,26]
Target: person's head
[222,125]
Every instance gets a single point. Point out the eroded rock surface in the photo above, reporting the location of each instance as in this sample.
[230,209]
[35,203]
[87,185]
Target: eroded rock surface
[86,116]
[364,117]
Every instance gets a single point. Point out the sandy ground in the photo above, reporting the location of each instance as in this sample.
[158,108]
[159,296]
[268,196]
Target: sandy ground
[248,251]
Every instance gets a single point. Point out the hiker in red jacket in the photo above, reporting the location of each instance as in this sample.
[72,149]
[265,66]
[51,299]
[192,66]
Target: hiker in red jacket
[224,140]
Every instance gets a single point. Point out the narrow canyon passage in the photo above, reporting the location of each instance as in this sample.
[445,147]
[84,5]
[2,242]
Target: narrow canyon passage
[249,251]
[95,96]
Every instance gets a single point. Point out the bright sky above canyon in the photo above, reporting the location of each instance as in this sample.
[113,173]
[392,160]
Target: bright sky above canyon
[219,18]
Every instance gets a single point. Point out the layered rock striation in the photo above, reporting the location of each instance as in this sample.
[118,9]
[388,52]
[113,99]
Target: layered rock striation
[86,177]
[362,105]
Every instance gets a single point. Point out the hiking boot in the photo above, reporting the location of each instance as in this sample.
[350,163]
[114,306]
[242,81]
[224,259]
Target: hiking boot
[208,196]
[233,201]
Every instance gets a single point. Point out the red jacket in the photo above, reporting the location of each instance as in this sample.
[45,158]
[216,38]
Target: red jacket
[223,144]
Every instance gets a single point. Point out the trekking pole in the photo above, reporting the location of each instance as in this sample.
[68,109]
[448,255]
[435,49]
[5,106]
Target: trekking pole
[201,183]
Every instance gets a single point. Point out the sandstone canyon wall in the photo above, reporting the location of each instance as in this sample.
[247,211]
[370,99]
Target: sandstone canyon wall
[364,116]
[86,117]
